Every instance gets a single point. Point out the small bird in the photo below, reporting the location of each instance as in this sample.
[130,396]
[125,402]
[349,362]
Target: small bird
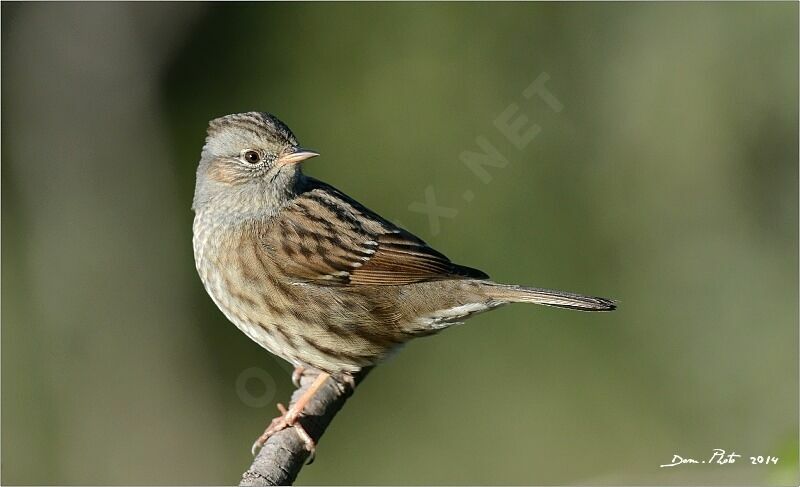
[312,275]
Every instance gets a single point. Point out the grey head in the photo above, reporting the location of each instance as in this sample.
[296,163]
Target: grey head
[249,164]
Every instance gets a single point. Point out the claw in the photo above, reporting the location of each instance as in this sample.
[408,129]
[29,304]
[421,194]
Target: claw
[257,445]
[297,374]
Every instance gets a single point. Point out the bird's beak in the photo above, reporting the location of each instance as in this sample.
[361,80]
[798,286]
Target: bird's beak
[298,154]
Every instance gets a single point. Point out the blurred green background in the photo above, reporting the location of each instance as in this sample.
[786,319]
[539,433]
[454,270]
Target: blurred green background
[669,181]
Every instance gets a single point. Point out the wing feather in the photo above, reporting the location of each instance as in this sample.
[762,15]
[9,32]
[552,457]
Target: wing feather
[327,238]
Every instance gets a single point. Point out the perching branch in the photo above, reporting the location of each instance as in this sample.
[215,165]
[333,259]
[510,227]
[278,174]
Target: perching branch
[285,453]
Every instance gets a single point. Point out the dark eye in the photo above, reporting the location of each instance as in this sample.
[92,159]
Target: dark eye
[253,157]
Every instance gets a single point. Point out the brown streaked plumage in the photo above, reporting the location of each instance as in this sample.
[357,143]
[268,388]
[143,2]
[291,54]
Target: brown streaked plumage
[312,275]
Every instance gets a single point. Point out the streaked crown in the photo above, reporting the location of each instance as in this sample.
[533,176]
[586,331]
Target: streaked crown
[229,134]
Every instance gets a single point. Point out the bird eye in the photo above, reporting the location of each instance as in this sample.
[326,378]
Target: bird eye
[253,157]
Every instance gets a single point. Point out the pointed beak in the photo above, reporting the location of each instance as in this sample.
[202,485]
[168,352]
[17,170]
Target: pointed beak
[298,154]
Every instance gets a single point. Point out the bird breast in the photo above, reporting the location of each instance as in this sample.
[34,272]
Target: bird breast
[333,329]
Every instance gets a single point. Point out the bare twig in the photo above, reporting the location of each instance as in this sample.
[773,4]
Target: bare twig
[285,453]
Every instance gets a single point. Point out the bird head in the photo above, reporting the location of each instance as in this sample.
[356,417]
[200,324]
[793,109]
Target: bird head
[249,152]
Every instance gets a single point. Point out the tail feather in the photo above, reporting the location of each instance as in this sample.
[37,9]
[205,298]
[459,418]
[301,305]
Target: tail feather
[548,297]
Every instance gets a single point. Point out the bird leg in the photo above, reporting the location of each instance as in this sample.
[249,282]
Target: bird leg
[288,418]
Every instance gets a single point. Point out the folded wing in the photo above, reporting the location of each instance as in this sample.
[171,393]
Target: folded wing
[327,238]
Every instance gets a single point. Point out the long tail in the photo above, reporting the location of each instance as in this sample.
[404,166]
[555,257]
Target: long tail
[548,297]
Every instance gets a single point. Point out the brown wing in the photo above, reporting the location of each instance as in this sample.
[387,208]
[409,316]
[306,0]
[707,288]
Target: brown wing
[325,237]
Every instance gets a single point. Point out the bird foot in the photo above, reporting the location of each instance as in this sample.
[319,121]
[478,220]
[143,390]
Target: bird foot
[344,382]
[287,419]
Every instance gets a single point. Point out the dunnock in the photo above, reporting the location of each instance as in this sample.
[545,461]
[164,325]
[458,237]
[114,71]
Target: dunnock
[312,275]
